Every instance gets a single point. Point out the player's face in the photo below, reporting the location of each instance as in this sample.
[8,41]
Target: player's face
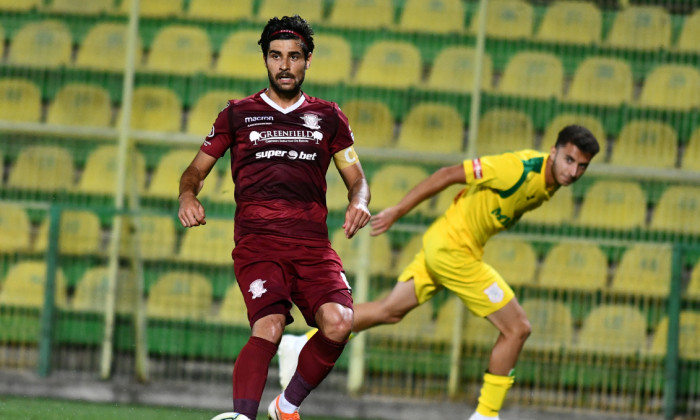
[569,163]
[286,66]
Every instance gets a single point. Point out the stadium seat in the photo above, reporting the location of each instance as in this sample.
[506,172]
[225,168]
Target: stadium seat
[391,182]
[678,211]
[513,258]
[379,255]
[336,191]
[233,310]
[645,269]
[453,70]
[104,48]
[15,229]
[180,49]
[80,7]
[408,251]
[691,154]
[555,212]
[166,176]
[156,108]
[432,127]
[332,60]
[41,44]
[435,16]
[224,192]
[646,143]
[362,14]
[688,38]
[444,199]
[154,8]
[533,74]
[552,325]
[24,285]
[20,100]
[574,265]
[209,244]
[445,319]
[180,295]
[615,205]
[91,291]
[601,81]
[416,325]
[504,130]
[591,122]
[157,237]
[205,110]
[688,343]
[571,22]
[79,233]
[241,56]
[508,19]
[311,10]
[479,331]
[20,6]
[371,121]
[618,330]
[641,28]
[672,86]
[390,64]
[220,10]
[42,168]
[99,175]
[81,104]
[693,289]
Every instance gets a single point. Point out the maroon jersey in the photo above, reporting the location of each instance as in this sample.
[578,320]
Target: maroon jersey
[279,159]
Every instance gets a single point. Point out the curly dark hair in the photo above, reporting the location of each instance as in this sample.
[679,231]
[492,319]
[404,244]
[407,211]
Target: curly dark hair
[580,136]
[289,27]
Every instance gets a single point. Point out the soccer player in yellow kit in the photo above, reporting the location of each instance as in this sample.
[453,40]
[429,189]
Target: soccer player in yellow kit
[499,190]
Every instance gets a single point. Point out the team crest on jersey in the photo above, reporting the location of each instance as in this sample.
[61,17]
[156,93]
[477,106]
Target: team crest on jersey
[257,288]
[311,121]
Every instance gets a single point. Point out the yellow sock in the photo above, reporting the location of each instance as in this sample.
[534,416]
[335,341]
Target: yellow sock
[493,393]
[312,331]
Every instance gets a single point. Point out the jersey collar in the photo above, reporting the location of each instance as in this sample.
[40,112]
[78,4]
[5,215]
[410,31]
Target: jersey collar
[287,110]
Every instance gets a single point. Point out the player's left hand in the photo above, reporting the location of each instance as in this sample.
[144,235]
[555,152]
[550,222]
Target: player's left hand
[357,216]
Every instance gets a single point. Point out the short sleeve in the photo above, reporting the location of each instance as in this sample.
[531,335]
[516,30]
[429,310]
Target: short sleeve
[499,172]
[219,140]
[343,137]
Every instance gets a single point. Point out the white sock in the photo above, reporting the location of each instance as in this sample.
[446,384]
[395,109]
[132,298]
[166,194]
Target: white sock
[286,406]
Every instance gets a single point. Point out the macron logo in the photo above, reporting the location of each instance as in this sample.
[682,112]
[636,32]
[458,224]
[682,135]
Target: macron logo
[259,118]
[476,165]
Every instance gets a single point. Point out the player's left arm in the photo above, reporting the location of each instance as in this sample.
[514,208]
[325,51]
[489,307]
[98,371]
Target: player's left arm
[357,214]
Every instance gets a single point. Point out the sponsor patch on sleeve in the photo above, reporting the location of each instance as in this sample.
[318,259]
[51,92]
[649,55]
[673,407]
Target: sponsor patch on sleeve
[476,166]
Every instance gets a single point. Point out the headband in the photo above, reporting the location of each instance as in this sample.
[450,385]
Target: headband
[289,31]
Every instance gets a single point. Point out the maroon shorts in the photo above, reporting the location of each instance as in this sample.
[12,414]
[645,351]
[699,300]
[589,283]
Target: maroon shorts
[273,273]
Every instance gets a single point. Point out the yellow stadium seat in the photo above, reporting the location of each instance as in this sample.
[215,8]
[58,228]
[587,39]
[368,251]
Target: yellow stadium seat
[15,228]
[225,191]
[220,10]
[646,143]
[688,343]
[233,309]
[157,237]
[672,86]
[408,251]
[362,14]
[432,127]
[435,16]
[619,330]
[416,325]
[552,325]
[444,199]
[311,10]
[591,122]
[81,7]
[555,212]
[154,8]
[204,112]
[645,269]
[100,173]
[445,319]
[391,182]
[24,285]
[513,258]
[574,266]
[20,100]
[380,258]
[641,27]
[390,64]
[180,295]
[571,22]
[479,331]
[298,326]
[156,109]
[332,60]
[81,104]
[371,121]
[180,49]
[678,210]
[533,74]
[691,154]
[336,191]
[91,291]
[19,6]
[688,38]
[165,181]
[79,234]
[42,44]
[617,205]
[240,56]
[509,19]
[693,289]
[208,244]
[104,48]
[43,168]
[504,130]
[454,70]
[601,81]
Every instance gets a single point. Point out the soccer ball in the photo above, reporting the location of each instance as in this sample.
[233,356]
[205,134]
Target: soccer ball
[230,416]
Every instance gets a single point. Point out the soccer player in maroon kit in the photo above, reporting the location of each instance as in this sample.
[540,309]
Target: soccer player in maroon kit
[281,143]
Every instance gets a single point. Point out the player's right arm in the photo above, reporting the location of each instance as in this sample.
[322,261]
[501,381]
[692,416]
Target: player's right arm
[438,181]
[191,212]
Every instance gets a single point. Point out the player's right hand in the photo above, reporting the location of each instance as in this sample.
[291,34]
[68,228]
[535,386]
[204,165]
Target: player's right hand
[382,221]
[191,212]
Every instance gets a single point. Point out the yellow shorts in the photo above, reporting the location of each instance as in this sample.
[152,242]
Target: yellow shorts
[438,265]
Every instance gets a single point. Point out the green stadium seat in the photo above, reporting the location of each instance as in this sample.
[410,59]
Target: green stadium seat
[241,56]
[380,257]
[157,237]
[390,64]
[571,22]
[80,7]
[46,44]
[555,212]
[156,108]
[81,104]
[453,70]
[205,110]
[15,229]
[165,180]
[602,81]
[20,6]
[332,60]
[691,154]
[180,49]
[645,270]
[362,14]
[507,19]
[574,265]
[533,74]
[104,48]
[688,38]
[615,205]
[20,100]
[513,258]
[646,143]
[371,121]
[677,210]
[641,28]
[91,291]
[79,233]
[552,325]
[220,10]
[504,130]
[688,343]
[210,244]
[436,16]
[180,295]
[614,329]
[154,8]
[432,127]
[672,86]
[24,285]
[42,168]
[391,182]
[233,309]
[311,10]
[99,176]
[591,122]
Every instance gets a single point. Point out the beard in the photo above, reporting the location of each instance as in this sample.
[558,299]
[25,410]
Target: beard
[285,91]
